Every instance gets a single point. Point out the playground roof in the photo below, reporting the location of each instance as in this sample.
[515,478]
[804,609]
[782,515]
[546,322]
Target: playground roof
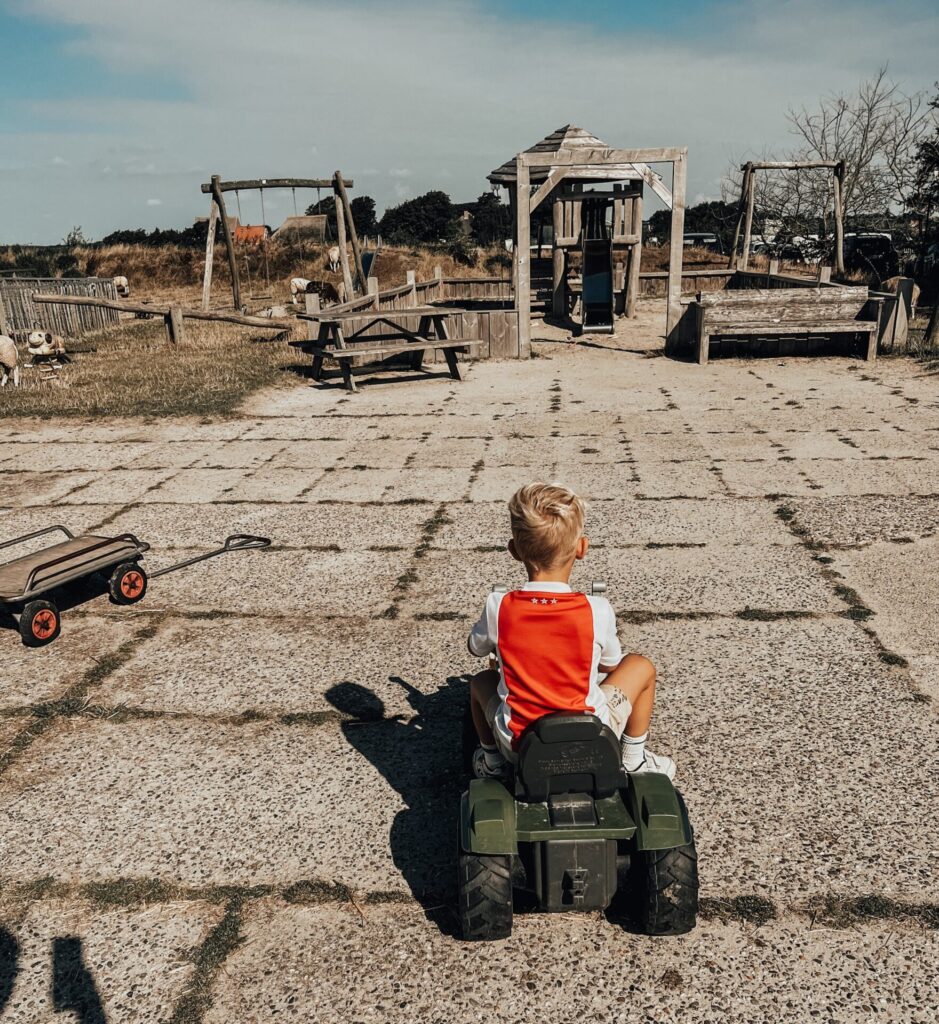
[566,139]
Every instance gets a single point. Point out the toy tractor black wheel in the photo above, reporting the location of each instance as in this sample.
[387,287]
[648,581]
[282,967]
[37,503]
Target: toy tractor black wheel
[40,623]
[128,583]
[665,887]
[485,896]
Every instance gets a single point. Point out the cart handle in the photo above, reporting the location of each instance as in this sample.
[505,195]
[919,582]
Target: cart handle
[236,542]
[39,533]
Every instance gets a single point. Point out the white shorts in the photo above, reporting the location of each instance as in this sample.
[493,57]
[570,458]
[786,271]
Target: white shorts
[618,706]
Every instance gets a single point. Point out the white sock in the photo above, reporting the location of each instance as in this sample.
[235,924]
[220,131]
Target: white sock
[634,751]
[494,757]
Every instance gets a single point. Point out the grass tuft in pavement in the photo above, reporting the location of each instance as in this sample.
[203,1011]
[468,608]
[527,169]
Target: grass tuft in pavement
[752,909]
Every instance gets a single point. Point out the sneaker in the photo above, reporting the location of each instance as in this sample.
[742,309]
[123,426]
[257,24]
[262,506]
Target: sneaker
[655,763]
[482,767]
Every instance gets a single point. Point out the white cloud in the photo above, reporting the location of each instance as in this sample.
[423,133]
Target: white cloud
[723,96]
[59,161]
[154,202]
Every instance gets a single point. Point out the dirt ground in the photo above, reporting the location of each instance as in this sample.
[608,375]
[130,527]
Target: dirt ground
[236,801]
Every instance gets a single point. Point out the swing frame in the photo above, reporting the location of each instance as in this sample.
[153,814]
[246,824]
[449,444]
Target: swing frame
[219,214]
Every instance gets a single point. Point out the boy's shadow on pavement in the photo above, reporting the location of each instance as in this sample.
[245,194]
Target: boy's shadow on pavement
[421,759]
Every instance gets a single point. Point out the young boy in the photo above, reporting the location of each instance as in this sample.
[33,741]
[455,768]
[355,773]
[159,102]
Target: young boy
[550,645]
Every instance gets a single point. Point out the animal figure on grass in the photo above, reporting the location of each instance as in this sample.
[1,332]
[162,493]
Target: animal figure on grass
[43,345]
[333,255]
[893,283]
[122,287]
[9,362]
[328,293]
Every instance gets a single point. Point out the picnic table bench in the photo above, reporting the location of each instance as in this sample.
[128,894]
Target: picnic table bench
[786,311]
[335,345]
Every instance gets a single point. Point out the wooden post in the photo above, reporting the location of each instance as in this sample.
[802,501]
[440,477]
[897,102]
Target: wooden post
[676,250]
[411,278]
[635,255]
[773,267]
[174,325]
[838,191]
[824,275]
[748,222]
[342,196]
[229,243]
[343,253]
[372,287]
[523,256]
[209,255]
[559,260]
[741,207]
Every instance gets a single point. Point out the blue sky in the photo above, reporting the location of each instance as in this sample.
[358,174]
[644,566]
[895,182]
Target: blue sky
[111,115]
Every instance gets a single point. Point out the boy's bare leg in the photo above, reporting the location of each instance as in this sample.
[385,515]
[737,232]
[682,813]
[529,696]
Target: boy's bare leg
[635,676]
[483,687]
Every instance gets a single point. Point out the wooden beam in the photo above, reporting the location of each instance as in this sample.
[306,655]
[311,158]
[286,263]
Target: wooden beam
[676,251]
[523,257]
[635,258]
[229,242]
[790,165]
[255,183]
[209,255]
[654,181]
[343,253]
[559,262]
[741,213]
[748,220]
[553,180]
[340,190]
[838,191]
[164,311]
[585,157]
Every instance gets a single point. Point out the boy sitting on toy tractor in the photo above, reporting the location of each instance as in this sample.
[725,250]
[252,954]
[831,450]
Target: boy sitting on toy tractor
[553,644]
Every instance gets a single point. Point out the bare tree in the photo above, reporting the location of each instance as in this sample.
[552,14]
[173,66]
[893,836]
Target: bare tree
[876,132]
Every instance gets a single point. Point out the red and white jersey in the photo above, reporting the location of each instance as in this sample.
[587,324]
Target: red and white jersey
[549,642]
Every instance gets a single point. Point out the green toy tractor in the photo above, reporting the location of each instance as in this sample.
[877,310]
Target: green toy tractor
[576,833]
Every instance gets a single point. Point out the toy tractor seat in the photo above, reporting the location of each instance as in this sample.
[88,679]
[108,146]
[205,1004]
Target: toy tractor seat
[568,754]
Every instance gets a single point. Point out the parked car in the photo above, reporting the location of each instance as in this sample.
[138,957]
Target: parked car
[872,253]
[704,240]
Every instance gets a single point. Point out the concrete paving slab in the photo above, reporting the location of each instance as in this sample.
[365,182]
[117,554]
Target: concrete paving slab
[292,584]
[691,479]
[173,455]
[15,522]
[119,486]
[713,579]
[304,963]
[65,456]
[499,483]
[212,667]
[856,520]
[917,477]
[390,453]
[275,484]
[107,964]
[239,455]
[433,485]
[758,479]
[349,527]
[36,675]
[353,485]
[370,805]
[23,489]
[449,452]
[899,582]
[318,454]
[194,486]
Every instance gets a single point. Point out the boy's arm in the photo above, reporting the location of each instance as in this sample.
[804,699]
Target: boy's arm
[480,641]
[611,651]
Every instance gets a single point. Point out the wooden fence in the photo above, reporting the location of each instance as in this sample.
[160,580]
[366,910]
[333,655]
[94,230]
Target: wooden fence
[18,312]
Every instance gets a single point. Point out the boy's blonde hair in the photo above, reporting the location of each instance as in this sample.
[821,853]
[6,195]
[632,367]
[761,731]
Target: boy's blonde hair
[547,523]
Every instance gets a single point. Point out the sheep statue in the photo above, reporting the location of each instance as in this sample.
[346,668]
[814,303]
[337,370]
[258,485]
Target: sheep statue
[9,361]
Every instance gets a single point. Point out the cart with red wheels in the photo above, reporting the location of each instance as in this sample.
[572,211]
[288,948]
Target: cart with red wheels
[28,584]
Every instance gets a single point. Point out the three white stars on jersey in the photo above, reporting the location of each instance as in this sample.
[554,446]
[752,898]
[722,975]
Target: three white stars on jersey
[544,600]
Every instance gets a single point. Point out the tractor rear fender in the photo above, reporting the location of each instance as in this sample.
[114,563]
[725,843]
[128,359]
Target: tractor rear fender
[661,821]
[487,818]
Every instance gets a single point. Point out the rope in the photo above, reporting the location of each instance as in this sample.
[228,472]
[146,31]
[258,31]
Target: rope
[244,248]
[297,226]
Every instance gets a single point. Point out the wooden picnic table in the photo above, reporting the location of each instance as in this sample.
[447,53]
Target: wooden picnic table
[334,344]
